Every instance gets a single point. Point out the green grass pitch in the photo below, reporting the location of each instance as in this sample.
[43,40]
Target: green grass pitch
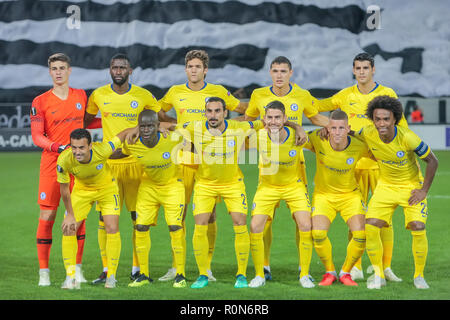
[19,265]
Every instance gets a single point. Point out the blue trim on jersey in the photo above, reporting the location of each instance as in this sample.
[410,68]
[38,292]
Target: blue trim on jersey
[395,134]
[90,159]
[287,137]
[159,137]
[226,125]
[129,88]
[421,149]
[251,124]
[112,146]
[290,89]
[375,88]
[187,85]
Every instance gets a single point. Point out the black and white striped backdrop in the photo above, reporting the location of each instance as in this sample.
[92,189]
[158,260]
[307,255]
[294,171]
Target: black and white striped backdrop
[410,41]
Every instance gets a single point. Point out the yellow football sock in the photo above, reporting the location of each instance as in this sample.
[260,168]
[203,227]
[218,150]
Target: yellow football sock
[374,249]
[113,247]
[133,239]
[297,241]
[355,249]
[200,246]
[242,248]
[420,251]
[257,249]
[305,251]
[143,245]
[183,244]
[178,250]
[267,239]
[212,234]
[323,248]
[358,263]
[387,238]
[101,237]
[69,253]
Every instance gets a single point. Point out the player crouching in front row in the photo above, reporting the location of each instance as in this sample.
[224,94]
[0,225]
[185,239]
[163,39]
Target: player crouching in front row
[86,161]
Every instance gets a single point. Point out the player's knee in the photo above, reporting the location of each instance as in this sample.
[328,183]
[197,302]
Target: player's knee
[173,228]
[143,227]
[319,236]
[416,226]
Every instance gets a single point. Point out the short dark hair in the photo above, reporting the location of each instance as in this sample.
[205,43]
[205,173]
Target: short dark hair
[120,56]
[280,60]
[216,99]
[58,57]
[197,54]
[364,56]
[79,134]
[387,103]
[277,105]
[338,115]
[149,113]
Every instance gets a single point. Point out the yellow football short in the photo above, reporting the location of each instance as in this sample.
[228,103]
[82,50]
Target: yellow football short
[367,180]
[151,197]
[267,198]
[128,174]
[205,197]
[387,198]
[107,198]
[347,204]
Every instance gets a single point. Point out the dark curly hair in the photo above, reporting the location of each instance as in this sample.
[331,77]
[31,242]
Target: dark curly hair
[388,103]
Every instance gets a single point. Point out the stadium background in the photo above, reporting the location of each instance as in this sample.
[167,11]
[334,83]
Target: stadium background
[410,42]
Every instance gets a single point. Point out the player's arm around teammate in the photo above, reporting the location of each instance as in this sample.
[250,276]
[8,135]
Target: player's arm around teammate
[160,186]
[279,180]
[93,183]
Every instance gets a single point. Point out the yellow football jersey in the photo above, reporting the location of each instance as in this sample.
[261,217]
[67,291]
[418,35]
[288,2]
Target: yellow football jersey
[218,155]
[279,164]
[190,105]
[88,176]
[159,162]
[396,159]
[120,111]
[335,170]
[296,102]
[354,103]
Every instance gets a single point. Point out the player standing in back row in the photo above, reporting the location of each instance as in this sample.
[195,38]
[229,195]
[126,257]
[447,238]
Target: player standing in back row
[120,103]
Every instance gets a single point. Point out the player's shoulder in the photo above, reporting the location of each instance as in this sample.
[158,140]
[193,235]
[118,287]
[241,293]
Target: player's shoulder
[383,90]
[261,91]
[42,97]
[102,90]
[65,156]
[296,89]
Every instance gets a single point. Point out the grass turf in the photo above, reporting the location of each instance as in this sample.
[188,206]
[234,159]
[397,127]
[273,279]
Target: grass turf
[19,265]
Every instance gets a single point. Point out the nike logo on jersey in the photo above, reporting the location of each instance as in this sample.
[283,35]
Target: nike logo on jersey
[106,102]
[321,152]
[53,112]
[352,103]
[183,99]
[140,157]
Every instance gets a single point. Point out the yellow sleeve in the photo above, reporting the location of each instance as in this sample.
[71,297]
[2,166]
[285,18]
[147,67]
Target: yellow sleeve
[165,103]
[92,106]
[151,102]
[252,110]
[310,107]
[256,125]
[106,149]
[417,145]
[62,173]
[125,149]
[308,144]
[231,102]
[327,104]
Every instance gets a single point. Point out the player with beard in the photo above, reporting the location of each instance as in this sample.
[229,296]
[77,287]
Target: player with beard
[119,104]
